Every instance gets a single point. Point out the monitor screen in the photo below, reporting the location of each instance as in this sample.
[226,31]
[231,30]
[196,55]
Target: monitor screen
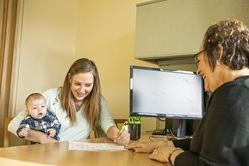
[165,93]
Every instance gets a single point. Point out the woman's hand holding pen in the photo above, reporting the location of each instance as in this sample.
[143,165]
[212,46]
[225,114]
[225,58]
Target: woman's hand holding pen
[123,138]
[118,137]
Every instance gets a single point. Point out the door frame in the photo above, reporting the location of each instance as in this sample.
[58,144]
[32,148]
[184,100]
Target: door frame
[8,17]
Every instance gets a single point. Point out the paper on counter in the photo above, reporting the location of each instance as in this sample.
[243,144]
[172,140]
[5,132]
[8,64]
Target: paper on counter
[86,146]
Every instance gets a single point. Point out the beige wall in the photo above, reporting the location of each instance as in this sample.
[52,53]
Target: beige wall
[106,35]
[53,33]
[45,46]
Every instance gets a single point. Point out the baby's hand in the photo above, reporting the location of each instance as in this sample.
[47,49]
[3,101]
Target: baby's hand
[51,132]
[24,132]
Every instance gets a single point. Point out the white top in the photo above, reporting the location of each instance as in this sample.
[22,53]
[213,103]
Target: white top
[68,131]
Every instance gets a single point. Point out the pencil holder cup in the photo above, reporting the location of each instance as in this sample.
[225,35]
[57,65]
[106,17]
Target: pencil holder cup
[134,127]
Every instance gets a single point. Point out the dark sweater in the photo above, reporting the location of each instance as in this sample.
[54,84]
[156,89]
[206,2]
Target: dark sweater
[223,135]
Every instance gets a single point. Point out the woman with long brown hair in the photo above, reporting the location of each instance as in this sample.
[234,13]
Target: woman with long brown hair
[78,105]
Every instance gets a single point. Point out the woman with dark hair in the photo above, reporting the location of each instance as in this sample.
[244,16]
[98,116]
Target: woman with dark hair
[223,135]
[79,107]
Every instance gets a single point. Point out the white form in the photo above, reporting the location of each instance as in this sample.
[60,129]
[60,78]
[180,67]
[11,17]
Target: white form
[86,146]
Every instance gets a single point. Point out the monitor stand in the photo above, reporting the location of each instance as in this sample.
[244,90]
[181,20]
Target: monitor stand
[181,128]
[173,127]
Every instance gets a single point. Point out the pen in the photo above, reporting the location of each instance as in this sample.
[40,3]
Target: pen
[122,128]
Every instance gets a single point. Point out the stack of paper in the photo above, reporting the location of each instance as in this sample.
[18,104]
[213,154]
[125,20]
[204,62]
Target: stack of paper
[86,146]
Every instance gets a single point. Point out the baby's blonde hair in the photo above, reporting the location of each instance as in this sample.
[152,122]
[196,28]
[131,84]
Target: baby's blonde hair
[33,96]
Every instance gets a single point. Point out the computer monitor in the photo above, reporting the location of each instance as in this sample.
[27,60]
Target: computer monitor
[166,93]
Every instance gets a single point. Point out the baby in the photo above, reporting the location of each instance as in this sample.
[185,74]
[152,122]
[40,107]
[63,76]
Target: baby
[38,118]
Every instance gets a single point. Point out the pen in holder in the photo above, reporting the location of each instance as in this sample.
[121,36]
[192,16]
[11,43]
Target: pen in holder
[134,127]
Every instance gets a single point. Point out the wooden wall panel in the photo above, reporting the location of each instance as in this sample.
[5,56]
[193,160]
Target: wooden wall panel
[8,12]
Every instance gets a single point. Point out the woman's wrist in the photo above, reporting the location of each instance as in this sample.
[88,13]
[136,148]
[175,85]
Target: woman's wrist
[35,136]
[40,137]
[112,132]
[172,156]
